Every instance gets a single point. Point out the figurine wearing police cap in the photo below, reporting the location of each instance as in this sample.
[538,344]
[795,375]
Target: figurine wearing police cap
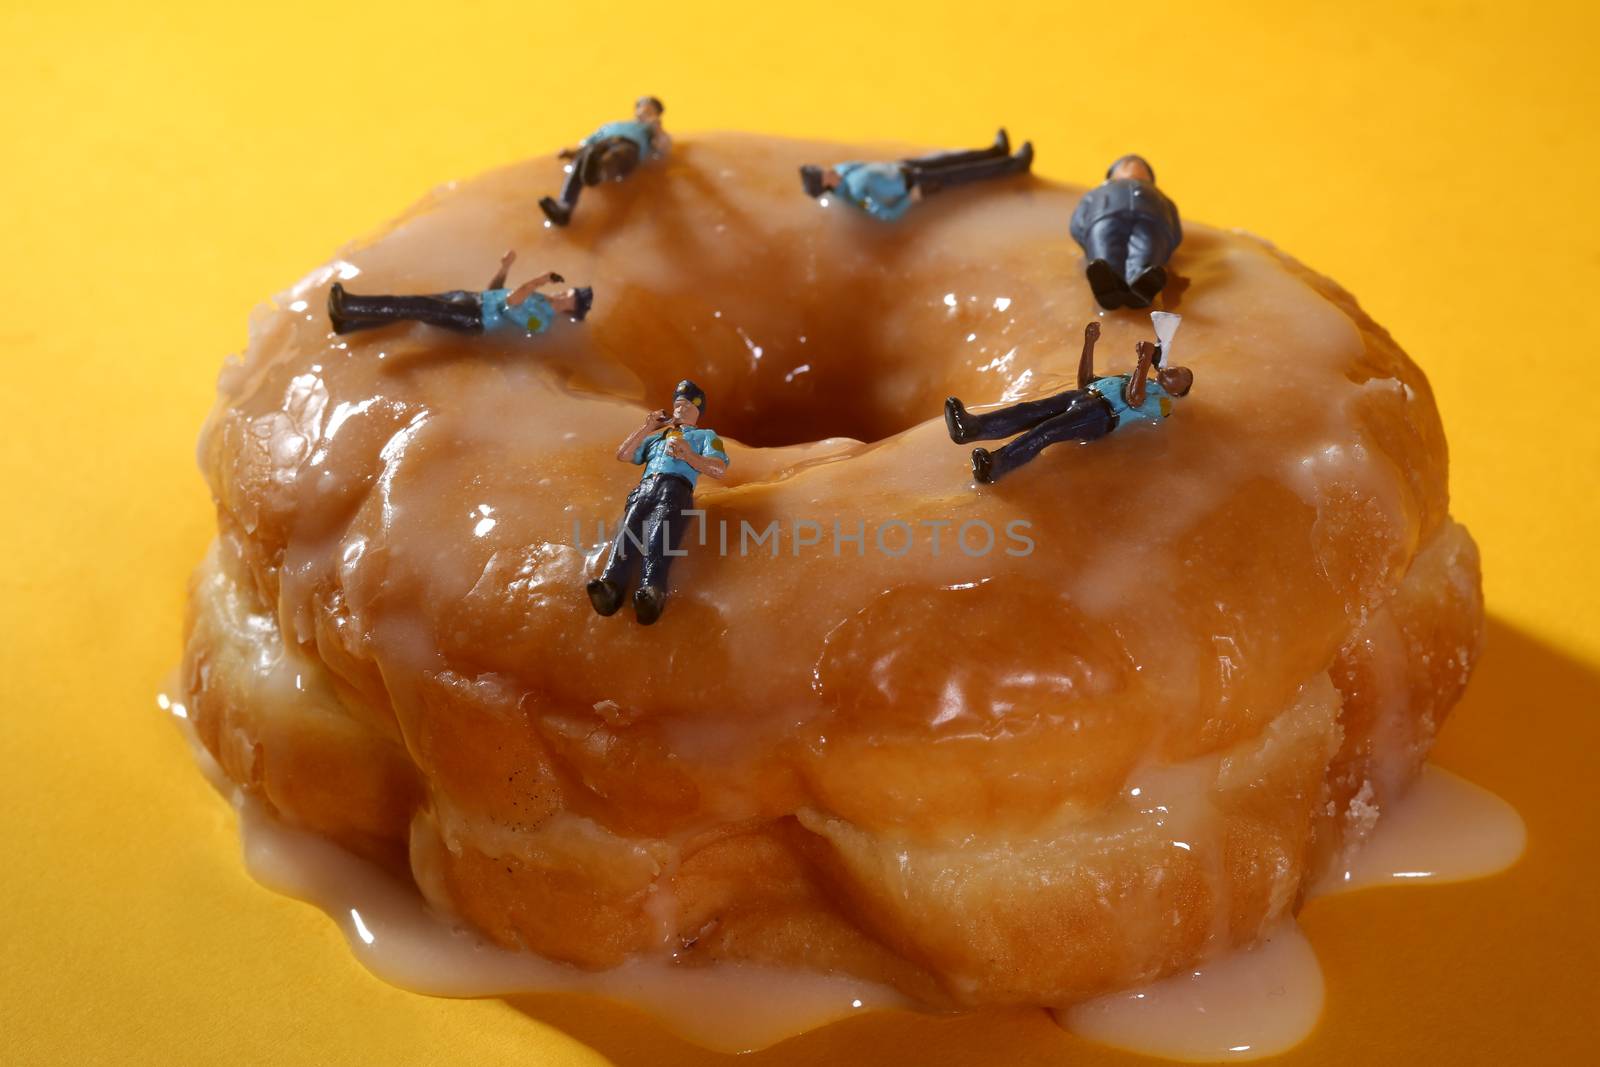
[674,451]
[886,190]
[610,153]
[1101,404]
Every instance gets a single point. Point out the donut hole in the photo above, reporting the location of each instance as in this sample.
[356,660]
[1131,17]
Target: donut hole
[786,371]
[806,320]
[796,397]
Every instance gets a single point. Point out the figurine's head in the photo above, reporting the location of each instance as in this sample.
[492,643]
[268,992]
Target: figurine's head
[688,401]
[811,180]
[818,180]
[1176,380]
[648,109]
[574,302]
[582,301]
[1131,166]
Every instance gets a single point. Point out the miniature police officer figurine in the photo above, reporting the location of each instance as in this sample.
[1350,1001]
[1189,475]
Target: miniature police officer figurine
[674,452]
[494,308]
[1128,230]
[886,191]
[1099,406]
[610,153]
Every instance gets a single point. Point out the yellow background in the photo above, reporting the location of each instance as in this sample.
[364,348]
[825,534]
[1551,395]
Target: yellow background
[166,166]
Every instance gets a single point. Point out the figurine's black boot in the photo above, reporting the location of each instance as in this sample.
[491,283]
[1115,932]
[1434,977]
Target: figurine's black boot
[339,315]
[555,210]
[1109,289]
[336,308]
[648,603]
[605,595]
[347,314]
[982,465]
[1148,285]
[955,420]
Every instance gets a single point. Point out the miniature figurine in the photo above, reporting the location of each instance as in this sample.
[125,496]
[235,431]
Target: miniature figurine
[1098,406]
[886,191]
[674,451]
[610,154]
[1128,230]
[465,312]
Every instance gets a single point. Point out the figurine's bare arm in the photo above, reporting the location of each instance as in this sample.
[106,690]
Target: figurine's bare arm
[630,444]
[1091,334]
[499,279]
[679,449]
[526,289]
[1134,394]
[660,141]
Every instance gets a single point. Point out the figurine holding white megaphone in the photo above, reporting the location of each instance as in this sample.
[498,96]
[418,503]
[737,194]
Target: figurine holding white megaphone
[1097,407]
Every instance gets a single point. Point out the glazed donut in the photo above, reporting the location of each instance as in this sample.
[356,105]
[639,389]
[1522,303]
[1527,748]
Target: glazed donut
[1017,743]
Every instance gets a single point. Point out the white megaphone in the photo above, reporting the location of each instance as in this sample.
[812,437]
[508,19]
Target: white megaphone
[1166,325]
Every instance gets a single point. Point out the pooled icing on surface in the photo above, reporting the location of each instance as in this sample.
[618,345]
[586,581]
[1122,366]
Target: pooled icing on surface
[1249,1004]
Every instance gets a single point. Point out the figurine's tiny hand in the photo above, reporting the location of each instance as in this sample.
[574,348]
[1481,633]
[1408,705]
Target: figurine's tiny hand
[678,448]
[509,258]
[657,419]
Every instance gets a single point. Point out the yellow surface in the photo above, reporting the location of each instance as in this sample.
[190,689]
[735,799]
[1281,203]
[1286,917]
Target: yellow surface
[165,169]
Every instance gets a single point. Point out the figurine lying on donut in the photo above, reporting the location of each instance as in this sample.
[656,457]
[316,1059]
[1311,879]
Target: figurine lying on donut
[1098,406]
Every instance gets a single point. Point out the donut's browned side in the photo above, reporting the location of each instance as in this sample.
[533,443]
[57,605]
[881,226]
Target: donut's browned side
[977,780]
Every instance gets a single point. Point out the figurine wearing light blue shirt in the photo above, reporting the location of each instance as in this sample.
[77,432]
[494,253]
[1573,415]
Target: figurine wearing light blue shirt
[1099,406]
[489,310]
[886,191]
[610,153]
[674,452]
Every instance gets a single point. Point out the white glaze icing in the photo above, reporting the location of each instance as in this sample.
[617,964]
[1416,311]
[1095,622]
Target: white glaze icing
[1445,830]
[1249,1004]
[1263,1001]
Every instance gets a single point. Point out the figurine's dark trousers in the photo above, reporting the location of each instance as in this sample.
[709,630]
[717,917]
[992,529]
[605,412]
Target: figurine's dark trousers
[1075,415]
[938,171]
[616,157]
[653,523]
[458,310]
[1131,243]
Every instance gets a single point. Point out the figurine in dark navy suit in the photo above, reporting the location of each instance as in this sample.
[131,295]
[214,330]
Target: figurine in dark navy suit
[1128,229]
